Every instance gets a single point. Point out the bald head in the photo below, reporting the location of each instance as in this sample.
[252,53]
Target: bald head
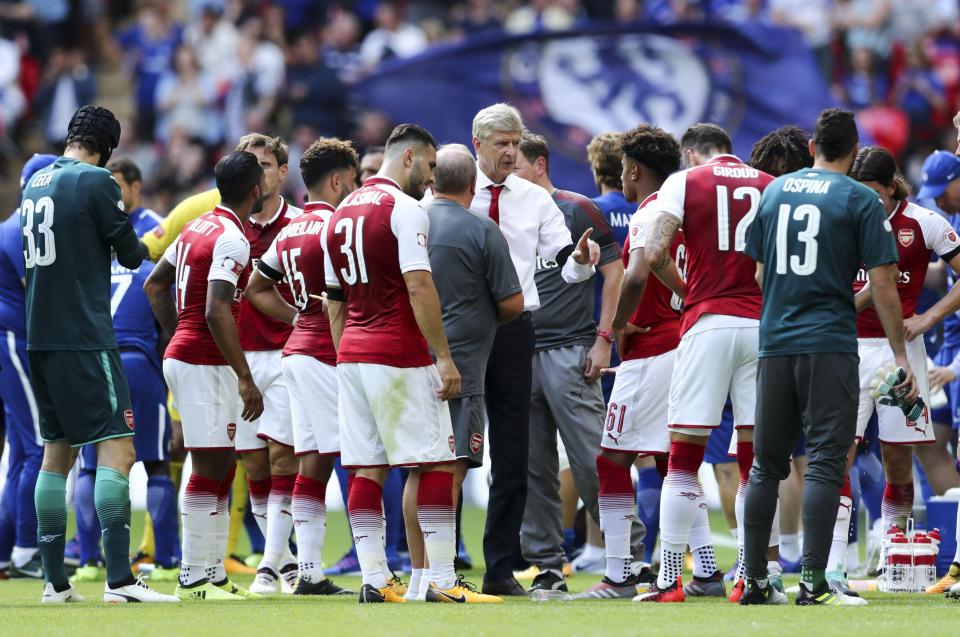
[456,171]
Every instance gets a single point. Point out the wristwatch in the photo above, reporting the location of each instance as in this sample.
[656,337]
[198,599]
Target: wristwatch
[606,335]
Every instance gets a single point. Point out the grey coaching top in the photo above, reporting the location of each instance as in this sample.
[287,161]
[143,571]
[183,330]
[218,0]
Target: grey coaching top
[472,270]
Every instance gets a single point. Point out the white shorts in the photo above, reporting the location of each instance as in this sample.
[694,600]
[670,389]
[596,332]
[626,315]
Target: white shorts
[206,397]
[637,414]
[313,403]
[894,427]
[275,423]
[717,357]
[391,416]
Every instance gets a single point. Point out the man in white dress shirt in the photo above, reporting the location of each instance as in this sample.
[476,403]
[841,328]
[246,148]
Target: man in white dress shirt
[532,225]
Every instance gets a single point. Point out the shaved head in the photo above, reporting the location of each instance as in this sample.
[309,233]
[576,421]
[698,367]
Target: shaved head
[456,170]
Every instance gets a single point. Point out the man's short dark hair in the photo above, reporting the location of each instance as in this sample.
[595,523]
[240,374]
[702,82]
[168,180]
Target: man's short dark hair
[533,147]
[785,150]
[237,174]
[125,166]
[410,133]
[874,163]
[706,139]
[835,134]
[325,156]
[653,147]
[96,130]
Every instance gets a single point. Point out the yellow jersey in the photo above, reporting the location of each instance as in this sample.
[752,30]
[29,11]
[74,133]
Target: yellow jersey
[160,238]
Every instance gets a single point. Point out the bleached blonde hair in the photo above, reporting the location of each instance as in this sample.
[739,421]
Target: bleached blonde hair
[497,118]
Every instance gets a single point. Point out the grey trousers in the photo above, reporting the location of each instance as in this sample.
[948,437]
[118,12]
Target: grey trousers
[814,394]
[563,401]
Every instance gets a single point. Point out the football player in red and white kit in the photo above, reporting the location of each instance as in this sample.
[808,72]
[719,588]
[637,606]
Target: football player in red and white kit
[266,445]
[647,329]
[385,317]
[205,367]
[329,169]
[714,202]
[920,234]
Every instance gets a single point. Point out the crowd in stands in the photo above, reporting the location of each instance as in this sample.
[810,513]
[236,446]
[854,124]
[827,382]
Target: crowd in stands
[198,73]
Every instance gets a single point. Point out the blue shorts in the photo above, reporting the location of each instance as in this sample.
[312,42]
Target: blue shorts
[718,446]
[949,413]
[148,396]
[23,420]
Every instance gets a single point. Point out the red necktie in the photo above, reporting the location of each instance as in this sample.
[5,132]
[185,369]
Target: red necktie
[495,202]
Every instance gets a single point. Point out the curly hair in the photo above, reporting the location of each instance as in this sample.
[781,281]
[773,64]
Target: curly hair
[785,150]
[653,147]
[324,156]
[604,154]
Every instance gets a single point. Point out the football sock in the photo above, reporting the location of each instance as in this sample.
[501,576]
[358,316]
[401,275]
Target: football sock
[681,498]
[88,526]
[239,498]
[112,498]
[198,516]
[790,547]
[437,520]
[814,578]
[147,544]
[259,497]
[20,555]
[279,520]
[744,462]
[414,585]
[366,521]
[424,582]
[774,569]
[897,505]
[216,571]
[51,502]
[310,522]
[701,546]
[617,506]
[836,562]
[162,508]
[649,484]
[26,525]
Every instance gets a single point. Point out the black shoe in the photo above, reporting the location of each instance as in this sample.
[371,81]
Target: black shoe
[549,580]
[756,595]
[509,587]
[370,595]
[323,587]
[646,577]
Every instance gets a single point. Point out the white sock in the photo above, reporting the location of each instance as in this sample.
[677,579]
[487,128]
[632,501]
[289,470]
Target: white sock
[790,547]
[216,572]
[310,523]
[424,583]
[671,564]
[198,515]
[414,587]
[738,505]
[616,516]
[680,500]
[701,546]
[774,569]
[836,563]
[853,557]
[21,555]
[279,522]
[437,518]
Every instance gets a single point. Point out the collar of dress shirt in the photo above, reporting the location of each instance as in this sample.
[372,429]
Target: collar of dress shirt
[483,181]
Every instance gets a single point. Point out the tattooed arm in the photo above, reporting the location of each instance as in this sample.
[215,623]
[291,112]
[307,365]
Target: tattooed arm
[657,253]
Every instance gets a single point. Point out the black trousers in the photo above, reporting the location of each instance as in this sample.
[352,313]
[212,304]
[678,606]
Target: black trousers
[815,394]
[509,383]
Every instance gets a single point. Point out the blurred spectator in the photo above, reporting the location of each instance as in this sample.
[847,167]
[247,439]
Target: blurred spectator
[670,11]
[149,45]
[44,21]
[810,17]
[864,85]
[214,41]
[738,11]
[867,26]
[294,189]
[475,16]
[67,85]
[315,95]
[185,101]
[299,15]
[628,10]
[373,128]
[540,15]
[341,45]
[393,37]
[183,171]
[12,101]
[252,98]
[919,92]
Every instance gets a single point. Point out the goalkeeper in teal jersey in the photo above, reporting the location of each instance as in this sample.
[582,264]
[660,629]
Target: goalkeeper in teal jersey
[814,230]
[72,219]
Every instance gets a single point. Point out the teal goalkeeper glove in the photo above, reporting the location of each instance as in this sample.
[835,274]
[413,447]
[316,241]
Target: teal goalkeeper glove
[883,390]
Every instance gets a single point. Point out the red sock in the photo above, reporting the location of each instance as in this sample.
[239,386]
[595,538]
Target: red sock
[366,521]
[744,460]
[662,463]
[685,456]
[846,490]
[897,504]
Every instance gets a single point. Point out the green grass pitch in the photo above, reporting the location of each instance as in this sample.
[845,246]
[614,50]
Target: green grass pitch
[21,615]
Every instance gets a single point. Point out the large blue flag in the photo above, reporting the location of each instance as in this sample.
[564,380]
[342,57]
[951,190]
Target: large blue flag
[573,85]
